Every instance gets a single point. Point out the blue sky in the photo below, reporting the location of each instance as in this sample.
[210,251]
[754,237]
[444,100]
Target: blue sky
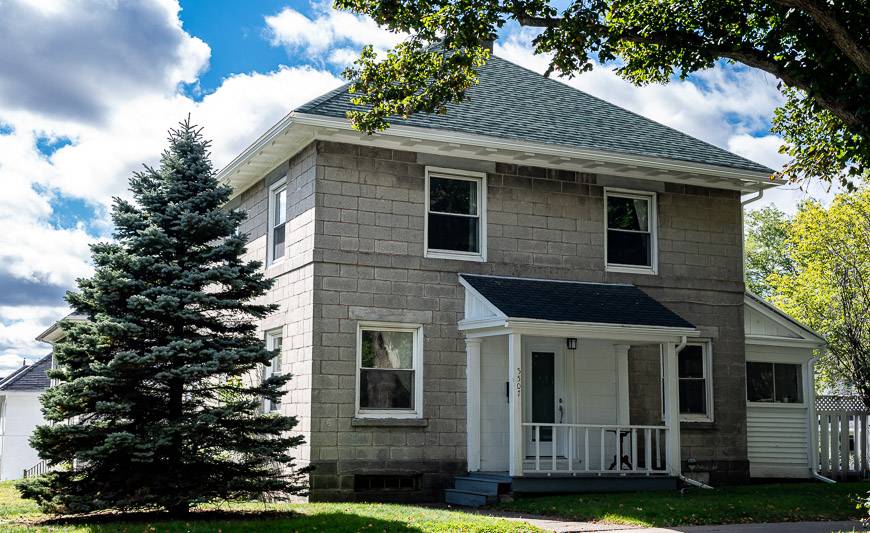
[88,89]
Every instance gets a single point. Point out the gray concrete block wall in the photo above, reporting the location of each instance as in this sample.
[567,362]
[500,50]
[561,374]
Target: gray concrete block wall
[369,265]
[293,290]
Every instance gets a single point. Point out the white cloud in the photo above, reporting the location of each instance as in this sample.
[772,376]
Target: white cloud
[120,100]
[331,35]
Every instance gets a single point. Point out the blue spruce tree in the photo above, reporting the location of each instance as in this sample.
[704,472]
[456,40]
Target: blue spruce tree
[155,405]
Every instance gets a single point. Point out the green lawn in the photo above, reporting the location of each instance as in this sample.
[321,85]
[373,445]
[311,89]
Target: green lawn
[749,503]
[17,515]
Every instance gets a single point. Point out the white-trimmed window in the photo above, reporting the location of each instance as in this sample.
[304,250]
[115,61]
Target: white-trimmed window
[274,341]
[774,382]
[694,364]
[277,222]
[455,222]
[630,224]
[389,377]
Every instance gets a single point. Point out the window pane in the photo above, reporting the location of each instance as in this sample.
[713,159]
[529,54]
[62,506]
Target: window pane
[627,213]
[280,207]
[759,382]
[693,396]
[278,242]
[691,362]
[387,349]
[386,389]
[447,232]
[453,196]
[788,383]
[624,248]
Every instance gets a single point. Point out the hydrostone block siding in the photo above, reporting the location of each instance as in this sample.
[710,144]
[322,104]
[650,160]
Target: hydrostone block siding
[362,258]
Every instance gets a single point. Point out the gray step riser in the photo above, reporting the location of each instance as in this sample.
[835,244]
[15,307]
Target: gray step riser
[474,485]
[465,499]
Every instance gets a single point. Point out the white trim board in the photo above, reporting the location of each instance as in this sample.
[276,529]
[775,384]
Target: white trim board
[296,130]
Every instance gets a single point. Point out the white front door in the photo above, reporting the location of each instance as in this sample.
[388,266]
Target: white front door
[545,399]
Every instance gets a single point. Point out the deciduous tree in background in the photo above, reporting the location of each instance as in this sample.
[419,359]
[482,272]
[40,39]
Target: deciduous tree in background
[151,381]
[820,50]
[816,267]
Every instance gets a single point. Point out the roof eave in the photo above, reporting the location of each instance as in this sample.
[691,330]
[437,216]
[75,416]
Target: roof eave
[277,144]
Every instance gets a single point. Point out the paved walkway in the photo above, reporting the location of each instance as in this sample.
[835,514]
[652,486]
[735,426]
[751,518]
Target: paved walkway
[563,526]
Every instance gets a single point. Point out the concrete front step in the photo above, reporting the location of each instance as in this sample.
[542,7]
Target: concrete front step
[467,498]
[480,486]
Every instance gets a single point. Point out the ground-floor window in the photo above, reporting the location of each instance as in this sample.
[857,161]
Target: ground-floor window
[274,341]
[774,382]
[389,369]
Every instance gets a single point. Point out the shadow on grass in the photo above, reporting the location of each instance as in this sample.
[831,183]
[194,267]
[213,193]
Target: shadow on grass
[219,520]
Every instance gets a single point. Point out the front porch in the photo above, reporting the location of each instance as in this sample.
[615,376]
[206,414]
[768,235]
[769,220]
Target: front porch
[548,395]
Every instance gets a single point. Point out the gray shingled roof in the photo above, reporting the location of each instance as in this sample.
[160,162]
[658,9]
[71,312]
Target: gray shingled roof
[28,378]
[571,301]
[515,103]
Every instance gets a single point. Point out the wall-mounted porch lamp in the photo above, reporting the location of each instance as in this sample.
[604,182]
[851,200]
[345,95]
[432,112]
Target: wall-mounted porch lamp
[572,343]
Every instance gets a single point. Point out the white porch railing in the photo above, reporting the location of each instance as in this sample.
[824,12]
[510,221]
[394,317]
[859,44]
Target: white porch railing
[599,449]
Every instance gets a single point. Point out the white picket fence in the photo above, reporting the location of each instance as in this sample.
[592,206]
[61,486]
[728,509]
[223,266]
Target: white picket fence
[843,437]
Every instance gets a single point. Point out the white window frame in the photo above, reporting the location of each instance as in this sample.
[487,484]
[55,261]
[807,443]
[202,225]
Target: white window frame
[777,361]
[417,330]
[270,224]
[267,369]
[466,175]
[707,350]
[651,198]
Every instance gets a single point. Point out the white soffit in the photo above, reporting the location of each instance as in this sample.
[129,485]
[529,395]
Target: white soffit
[297,130]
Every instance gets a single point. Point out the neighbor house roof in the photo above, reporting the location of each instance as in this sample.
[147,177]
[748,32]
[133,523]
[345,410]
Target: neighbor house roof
[570,301]
[512,102]
[28,378]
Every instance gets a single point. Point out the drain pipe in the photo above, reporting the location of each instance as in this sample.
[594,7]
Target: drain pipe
[755,198]
[694,482]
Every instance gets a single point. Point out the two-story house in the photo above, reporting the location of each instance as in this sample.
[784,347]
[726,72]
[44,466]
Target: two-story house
[539,289]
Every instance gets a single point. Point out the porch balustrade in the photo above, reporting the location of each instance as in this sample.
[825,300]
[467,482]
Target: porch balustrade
[598,449]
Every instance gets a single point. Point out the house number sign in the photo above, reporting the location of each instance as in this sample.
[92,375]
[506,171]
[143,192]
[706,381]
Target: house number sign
[519,381]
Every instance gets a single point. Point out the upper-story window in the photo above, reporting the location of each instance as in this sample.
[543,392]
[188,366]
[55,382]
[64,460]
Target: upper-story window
[277,221]
[631,231]
[455,225]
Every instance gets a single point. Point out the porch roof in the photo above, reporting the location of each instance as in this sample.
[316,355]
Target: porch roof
[604,304]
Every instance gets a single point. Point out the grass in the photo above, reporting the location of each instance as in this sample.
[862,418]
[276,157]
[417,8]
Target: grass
[727,505]
[17,515]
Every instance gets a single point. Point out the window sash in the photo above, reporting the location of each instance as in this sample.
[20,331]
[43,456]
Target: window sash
[414,373]
[706,362]
[479,205]
[649,265]
[277,222]
[274,341]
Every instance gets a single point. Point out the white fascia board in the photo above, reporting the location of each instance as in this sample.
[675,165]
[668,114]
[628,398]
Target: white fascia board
[743,180]
[495,310]
[766,340]
[619,332]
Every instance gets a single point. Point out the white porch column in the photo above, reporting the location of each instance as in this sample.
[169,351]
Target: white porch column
[623,411]
[472,400]
[515,408]
[672,407]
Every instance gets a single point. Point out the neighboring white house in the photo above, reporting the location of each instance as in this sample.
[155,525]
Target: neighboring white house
[20,413]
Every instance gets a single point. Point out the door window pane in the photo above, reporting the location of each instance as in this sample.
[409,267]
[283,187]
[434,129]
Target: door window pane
[544,392]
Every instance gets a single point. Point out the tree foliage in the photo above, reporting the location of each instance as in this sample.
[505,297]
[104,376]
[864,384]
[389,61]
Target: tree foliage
[153,406]
[768,250]
[816,267]
[819,50]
